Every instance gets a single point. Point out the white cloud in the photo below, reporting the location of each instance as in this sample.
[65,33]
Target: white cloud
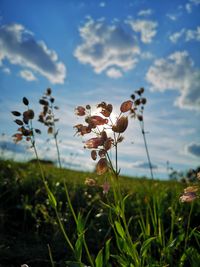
[177,72]
[192,3]
[106,46]
[193,34]
[172,17]
[193,149]
[147,29]
[176,36]
[27,75]
[188,35]
[18,45]
[114,73]
[145,12]
[146,55]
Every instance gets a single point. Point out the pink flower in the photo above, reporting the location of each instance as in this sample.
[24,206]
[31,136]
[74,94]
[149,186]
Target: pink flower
[188,197]
[106,187]
[94,121]
[94,142]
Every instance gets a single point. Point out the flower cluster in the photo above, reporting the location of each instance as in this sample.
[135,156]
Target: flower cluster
[99,125]
[47,115]
[24,120]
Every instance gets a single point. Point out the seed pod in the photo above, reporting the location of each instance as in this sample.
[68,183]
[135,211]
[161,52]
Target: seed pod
[43,102]
[38,131]
[101,166]
[25,101]
[94,154]
[137,102]
[16,113]
[133,97]
[50,130]
[48,92]
[140,117]
[121,125]
[143,101]
[19,122]
[126,106]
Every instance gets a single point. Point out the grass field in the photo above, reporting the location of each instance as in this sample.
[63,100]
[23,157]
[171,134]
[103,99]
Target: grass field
[30,233]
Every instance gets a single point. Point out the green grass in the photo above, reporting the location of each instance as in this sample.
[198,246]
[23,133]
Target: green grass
[159,222]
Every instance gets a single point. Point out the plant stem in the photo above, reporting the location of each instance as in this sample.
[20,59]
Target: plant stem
[146,148]
[188,225]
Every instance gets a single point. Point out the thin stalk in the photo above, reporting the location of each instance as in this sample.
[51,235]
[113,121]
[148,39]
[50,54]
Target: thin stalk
[188,225]
[146,148]
[46,187]
[67,194]
[50,256]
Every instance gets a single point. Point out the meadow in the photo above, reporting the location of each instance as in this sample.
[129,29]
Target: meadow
[51,216]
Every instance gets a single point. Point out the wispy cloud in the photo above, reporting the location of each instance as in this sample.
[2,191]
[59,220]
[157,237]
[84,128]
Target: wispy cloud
[27,75]
[107,46]
[177,72]
[145,12]
[146,28]
[187,35]
[18,45]
[114,73]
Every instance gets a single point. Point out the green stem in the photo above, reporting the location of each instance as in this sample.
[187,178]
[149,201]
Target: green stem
[188,225]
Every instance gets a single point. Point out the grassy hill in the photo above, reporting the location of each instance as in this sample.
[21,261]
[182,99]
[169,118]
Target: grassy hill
[28,222]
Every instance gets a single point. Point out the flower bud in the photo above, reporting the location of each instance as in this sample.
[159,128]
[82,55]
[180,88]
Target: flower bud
[121,125]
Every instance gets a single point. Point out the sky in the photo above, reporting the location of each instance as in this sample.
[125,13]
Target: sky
[93,51]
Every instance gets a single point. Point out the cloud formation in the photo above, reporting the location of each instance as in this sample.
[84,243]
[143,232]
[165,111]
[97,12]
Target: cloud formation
[188,35]
[146,28]
[27,75]
[107,46]
[18,45]
[145,12]
[177,72]
[191,4]
[194,149]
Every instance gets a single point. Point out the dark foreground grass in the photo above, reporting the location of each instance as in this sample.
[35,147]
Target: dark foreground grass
[28,224]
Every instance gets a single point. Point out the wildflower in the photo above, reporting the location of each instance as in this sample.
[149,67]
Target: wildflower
[106,187]
[106,109]
[94,142]
[188,197]
[82,130]
[80,111]
[90,182]
[121,125]
[94,121]
[126,106]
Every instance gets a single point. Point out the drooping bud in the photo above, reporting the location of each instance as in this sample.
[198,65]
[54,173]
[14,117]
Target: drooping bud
[94,142]
[121,125]
[126,106]
[101,166]
[94,154]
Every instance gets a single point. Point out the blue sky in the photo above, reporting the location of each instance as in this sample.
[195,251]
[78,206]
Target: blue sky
[93,51]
